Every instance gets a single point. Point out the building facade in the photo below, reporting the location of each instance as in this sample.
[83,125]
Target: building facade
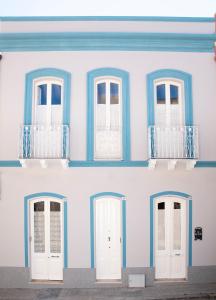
[108,150]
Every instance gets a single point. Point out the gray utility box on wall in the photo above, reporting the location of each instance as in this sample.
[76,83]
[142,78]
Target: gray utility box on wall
[136,280]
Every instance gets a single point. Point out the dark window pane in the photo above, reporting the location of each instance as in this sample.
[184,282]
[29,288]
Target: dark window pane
[114,93]
[39,206]
[56,94]
[42,94]
[177,205]
[173,94]
[161,94]
[101,93]
[54,206]
[161,205]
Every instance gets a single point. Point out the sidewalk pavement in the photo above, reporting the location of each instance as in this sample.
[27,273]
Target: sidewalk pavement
[158,291]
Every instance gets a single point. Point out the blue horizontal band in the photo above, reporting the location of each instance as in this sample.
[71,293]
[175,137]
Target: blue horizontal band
[106,18]
[103,41]
[83,163]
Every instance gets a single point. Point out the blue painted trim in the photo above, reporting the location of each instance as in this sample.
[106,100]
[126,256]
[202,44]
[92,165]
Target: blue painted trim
[26,235]
[103,41]
[84,164]
[10,163]
[107,18]
[65,76]
[151,231]
[170,73]
[205,164]
[190,225]
[124,231]
[26,224]
[92,241]
[75,164]
[124,76]
[93,198]
[170,193]
[65,236]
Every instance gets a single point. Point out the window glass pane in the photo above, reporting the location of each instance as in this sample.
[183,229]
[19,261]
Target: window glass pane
[39,229]
[114,93]
[56,94]
[101,93]
[39,206]
[54,206]
[55,227]
[161,98]
[42,94]
[173,94]
[177,226]
[161,226]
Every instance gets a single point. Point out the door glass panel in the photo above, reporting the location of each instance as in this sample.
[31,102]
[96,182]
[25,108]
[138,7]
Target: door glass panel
[39,227]
[114,93]
[173,94]
[161,98]
[55,227]
[177,226]
[56,94]
[161,226]
[101,93]
[42,94]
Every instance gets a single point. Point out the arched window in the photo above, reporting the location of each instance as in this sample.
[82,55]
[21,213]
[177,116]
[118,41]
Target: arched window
[45,133]
[48,100]
[108,118]
[170,116]
[108,136]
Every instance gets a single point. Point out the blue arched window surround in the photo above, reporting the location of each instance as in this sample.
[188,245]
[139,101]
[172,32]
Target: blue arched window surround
[52,72]
[176,74]
[189,222]
[124,76]
[94,198]
[27,199]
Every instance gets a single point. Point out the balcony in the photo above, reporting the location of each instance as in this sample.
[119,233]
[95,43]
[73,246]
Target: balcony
[44,143]
[173,144]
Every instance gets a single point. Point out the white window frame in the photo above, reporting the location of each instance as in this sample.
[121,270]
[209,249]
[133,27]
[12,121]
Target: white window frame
[108,80]
[48,81]
[168,82]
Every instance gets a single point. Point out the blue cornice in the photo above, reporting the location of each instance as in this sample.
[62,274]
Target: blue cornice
[106,18]
[103,41]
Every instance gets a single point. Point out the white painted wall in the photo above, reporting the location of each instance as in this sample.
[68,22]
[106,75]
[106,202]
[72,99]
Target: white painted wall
[14,67]
[107,26]
[78,184]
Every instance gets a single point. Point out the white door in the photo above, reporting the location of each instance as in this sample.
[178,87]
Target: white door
[169,135]
[108,238]
[46,224]
[48,109]
[170,238]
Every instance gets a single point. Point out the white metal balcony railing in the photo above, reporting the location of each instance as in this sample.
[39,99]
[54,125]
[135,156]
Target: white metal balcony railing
[44,142]
[177,142]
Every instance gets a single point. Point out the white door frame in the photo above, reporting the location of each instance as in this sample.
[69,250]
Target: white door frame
[168,242]
[49,259]
[118,274]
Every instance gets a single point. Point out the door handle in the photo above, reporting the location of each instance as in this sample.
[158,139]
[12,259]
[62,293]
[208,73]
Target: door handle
[177,254]
[109,238]
[55,256]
